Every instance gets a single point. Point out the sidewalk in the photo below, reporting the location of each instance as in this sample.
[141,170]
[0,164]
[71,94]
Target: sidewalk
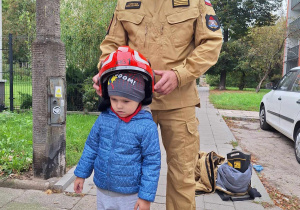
[214,136]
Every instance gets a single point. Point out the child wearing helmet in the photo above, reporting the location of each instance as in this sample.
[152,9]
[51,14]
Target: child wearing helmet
[123,147]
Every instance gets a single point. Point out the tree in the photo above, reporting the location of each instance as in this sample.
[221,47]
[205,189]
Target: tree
[19,20]
[84,25]
[237,16]
[266,53]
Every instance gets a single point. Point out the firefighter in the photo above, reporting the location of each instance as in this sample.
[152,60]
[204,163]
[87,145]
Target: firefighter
[182,40]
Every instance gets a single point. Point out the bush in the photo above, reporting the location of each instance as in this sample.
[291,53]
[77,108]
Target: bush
[232,80]
[26,100]
[2,107]
[74,88]
[90,97]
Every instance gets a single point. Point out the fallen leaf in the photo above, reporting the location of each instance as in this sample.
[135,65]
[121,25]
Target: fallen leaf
[48,192]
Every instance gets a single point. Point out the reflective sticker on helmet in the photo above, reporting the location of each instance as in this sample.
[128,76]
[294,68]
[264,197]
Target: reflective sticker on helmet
[138,58]
[123,49]
[109,59]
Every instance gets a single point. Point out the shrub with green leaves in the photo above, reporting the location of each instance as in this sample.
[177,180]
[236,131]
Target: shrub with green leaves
[90,97]
[26,100]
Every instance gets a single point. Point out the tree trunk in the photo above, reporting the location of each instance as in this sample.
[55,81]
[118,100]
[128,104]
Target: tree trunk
[261,81]
[226,35]
[242,81]
[48,67]
[222,84]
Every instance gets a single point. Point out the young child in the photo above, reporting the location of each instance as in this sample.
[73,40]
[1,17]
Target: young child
[123,147]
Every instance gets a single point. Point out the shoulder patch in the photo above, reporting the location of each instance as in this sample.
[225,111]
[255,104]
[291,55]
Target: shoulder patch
[133,5]
[212,22]
[207,2]
[181,3]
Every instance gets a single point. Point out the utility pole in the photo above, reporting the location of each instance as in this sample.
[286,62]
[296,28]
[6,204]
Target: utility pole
[48,93]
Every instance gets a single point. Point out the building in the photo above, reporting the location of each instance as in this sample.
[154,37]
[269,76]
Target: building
[292,50]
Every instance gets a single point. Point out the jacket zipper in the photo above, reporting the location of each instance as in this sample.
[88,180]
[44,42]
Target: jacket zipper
[111,154]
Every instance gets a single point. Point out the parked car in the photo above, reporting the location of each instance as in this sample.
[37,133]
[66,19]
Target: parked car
[280,108]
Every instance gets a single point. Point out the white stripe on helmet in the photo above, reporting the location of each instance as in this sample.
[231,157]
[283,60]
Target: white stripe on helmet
[109,59]
[138,58]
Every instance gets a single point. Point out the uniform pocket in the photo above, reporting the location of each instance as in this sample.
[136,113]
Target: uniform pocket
[192,126]
[192,141]
[182,26]
[132,25]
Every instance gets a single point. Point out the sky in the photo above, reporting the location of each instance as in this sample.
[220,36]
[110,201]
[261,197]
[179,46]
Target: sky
[282,10]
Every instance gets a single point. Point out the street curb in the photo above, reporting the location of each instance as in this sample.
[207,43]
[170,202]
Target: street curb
[57,183]
[65,181]
[240,118]
[33,184]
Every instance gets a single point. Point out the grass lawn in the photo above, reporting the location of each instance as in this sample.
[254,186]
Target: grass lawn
[234,99]
[16,140]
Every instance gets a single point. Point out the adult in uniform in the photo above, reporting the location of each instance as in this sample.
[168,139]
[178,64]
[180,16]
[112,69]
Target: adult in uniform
[182,40]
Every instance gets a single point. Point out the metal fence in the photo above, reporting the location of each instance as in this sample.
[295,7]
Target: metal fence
[15,85]
[16,79]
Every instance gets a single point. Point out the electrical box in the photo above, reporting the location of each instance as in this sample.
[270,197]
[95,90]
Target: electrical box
[56,101]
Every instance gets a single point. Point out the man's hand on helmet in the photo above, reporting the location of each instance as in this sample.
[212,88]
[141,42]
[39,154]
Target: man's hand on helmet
[96,84]
[167,83]
[96,79]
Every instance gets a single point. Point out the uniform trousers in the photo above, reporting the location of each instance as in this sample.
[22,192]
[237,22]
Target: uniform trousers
[180,137]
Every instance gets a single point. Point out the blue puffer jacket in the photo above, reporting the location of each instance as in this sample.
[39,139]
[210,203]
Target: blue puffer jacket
[125,156]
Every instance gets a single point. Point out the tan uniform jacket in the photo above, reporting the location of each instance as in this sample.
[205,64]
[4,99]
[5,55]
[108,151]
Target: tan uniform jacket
[172,34]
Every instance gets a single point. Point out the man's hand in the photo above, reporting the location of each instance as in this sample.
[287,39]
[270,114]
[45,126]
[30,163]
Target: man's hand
[96,84]
[167,83]
[96,79]
[78,184]
[142,204]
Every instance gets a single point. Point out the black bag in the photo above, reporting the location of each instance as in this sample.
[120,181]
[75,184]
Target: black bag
[238,160]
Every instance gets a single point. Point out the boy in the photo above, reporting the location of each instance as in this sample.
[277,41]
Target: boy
[123,146]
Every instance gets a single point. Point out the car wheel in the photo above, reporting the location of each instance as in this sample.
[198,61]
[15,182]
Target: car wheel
[297,145]
[262,119]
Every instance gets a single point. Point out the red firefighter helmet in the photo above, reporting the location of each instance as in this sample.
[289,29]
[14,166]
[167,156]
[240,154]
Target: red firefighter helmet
[127,60]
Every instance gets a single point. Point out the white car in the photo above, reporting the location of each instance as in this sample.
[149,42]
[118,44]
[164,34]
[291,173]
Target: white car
[280,108]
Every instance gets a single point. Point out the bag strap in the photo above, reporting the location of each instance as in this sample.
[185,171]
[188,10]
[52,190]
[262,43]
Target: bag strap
[211,175]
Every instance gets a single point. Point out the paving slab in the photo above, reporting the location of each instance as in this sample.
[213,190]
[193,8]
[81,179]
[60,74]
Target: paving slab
[7,195]
[86,202]
[22,206]
[55,200]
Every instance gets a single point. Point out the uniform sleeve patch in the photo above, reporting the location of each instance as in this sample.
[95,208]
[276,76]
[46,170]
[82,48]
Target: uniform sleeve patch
[207,2]
[181,3]
[133,5]
[212,22]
